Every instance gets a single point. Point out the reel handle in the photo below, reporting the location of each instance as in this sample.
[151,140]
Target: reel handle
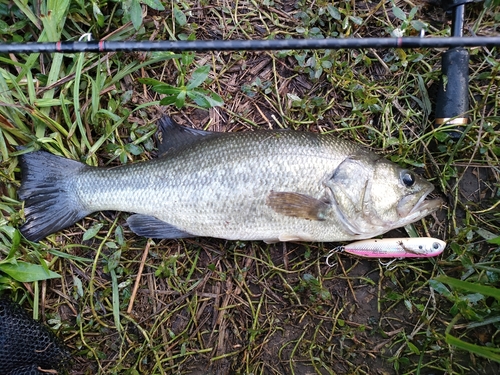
[452,101]
[453,95]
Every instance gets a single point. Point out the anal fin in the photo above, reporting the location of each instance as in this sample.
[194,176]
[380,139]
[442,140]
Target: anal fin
[150,226]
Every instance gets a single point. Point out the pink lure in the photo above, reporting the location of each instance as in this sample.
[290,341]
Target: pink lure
[414,247]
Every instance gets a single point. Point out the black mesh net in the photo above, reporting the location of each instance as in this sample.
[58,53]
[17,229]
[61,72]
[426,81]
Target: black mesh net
[26,346]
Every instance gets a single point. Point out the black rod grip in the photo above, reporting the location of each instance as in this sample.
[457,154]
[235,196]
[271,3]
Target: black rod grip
[453,94]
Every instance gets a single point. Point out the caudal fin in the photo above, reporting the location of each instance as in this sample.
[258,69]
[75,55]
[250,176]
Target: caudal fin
[50,203]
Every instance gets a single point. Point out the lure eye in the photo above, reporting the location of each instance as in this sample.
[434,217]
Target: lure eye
[407,178]
[435,245]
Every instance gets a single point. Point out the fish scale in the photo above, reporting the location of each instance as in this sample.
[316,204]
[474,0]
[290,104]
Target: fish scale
[275,185]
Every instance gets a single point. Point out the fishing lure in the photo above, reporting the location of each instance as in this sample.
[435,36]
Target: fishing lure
[414,247]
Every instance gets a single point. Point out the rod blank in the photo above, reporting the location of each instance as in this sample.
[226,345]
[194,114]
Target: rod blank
[249,45]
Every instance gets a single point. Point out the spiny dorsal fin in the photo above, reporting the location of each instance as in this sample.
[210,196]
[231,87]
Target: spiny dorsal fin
[297,205]
[172,136]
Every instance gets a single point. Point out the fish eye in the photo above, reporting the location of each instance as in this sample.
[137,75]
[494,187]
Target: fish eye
[407,178]
[435,245]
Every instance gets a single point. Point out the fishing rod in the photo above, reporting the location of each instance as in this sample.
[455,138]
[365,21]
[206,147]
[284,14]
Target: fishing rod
[249,45]
[452,98]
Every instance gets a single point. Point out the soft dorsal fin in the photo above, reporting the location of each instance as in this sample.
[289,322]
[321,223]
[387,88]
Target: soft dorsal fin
[172,136]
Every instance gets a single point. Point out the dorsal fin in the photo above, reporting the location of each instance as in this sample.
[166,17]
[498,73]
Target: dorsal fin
[172,136]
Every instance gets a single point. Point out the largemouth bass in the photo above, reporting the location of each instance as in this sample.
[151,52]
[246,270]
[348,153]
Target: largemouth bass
[272,185]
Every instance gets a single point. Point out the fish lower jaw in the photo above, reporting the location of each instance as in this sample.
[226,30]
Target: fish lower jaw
[420,211]
[426,207]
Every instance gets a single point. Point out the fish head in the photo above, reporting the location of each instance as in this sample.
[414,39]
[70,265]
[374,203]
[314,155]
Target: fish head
[373,195]
[398,195]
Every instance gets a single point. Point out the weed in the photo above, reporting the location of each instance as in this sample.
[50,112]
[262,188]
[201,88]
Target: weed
[178,94]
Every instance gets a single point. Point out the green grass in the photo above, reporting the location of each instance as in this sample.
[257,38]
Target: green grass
[128,305]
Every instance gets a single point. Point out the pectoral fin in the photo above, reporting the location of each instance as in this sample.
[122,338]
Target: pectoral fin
[297,205]
[150,226]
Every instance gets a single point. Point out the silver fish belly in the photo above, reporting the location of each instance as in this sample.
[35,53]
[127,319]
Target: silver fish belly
[261,185]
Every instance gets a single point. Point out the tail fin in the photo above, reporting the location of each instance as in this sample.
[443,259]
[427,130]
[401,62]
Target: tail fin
[50,203]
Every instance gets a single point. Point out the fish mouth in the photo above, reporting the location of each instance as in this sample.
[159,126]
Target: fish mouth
[424,206]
